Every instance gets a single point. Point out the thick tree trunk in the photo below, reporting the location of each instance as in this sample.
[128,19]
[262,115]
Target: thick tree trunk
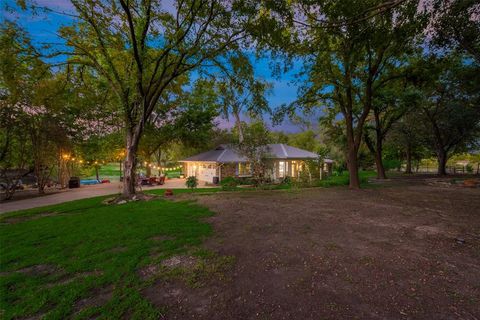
[352,161]
[376,152]
[442,162]
[41,179]
[352,164]
[41,188]
[408,169]
[130,165]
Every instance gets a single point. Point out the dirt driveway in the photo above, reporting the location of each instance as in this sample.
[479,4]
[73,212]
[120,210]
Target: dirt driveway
[405,252]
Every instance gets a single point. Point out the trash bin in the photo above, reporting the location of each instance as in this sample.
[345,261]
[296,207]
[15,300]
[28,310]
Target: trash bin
[216,180]
[74,182]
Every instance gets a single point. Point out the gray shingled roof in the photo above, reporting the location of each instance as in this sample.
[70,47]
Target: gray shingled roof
[224,153]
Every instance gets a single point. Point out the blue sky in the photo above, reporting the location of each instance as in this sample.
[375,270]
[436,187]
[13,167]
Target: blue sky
[42,28]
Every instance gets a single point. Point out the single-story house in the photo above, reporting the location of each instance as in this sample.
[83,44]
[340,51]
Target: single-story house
[224,161]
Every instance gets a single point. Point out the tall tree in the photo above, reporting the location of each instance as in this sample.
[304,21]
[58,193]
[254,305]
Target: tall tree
[241,92]
[190,124]
[347,46]
[407,137]
[254,148]
[389,106]
[141,48]
[32,101]
[451,106]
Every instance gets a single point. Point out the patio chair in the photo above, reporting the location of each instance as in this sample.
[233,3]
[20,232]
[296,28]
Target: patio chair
[161,180]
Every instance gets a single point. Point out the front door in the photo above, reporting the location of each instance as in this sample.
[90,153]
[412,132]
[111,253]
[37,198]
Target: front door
[206,172]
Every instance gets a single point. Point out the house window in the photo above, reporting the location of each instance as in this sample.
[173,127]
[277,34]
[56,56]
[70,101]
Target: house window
[244,169]
[281,169]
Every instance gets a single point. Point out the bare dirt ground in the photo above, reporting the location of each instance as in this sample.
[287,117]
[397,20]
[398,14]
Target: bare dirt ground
[404,251]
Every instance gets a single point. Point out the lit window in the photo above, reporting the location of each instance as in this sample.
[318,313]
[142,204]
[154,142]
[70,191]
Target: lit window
[281,169]
[244,169]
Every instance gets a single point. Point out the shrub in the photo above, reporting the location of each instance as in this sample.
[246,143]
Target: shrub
[191,182]
[338,169]
[229,183]
[286,180]
[390,164]
[469,168]
[245,181]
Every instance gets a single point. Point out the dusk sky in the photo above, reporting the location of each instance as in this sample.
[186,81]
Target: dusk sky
[42,28]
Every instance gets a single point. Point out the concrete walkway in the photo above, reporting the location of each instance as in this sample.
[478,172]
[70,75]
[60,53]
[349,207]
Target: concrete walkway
[80,193]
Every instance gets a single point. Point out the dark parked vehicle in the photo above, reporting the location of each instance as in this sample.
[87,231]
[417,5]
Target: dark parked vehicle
[74,182]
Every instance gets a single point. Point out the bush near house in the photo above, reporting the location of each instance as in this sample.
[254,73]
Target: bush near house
[229,183]
[191,182]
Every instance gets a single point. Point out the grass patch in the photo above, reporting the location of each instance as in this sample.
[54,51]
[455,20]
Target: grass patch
[181,191]
[343,179]
[83,258]
[112,171]
[173,173]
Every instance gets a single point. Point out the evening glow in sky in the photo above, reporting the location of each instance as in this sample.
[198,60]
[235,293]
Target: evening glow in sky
[42,28]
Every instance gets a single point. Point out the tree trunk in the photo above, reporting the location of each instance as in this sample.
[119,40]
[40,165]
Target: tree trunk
[352,164]
[442,162]
[41,177]
[130,164]
[148,170]
[238,123]
[408,169]
[378,158]
[120,167]
[352,161]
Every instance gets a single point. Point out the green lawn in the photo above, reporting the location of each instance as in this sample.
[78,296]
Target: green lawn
[343,179]
[84,246]
[53,257]
[180,191]
[112,171]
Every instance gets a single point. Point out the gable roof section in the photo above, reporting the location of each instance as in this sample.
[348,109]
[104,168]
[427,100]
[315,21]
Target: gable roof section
[224,153]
